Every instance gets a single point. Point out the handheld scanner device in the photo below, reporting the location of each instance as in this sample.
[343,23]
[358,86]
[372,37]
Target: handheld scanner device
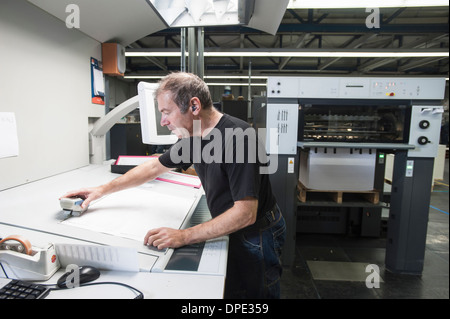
[73,205]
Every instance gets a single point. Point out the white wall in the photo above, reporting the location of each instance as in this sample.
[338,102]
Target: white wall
[45,81]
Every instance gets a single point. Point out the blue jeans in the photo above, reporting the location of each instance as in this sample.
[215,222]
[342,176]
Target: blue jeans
[254,266]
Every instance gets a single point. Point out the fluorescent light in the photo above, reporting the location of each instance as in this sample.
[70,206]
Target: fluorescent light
[292,53]
[328,54]
[235,77]
[235,84]
[155,77]
[154,53]
[210,77]
[333,4]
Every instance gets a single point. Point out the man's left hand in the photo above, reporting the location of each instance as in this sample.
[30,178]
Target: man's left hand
[164,238]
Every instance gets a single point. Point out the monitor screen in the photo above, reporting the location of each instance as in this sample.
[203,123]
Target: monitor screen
[152,131]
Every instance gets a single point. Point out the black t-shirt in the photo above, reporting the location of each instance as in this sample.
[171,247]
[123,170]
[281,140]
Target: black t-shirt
[228,163]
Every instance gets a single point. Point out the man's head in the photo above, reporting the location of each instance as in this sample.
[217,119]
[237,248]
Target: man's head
[181,97]
[182,87]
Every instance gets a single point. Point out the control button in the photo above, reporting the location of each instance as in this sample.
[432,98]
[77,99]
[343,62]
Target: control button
[424,124]
[423,140]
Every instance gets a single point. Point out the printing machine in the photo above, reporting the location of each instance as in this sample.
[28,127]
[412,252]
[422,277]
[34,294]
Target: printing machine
[334,132]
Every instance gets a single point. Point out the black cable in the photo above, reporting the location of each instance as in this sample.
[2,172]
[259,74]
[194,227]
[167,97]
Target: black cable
[4,271]
[140,295]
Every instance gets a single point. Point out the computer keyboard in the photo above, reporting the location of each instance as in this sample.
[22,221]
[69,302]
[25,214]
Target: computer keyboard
[17,289]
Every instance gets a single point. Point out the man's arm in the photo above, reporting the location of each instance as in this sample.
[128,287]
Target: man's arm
[241,215]
[140,174]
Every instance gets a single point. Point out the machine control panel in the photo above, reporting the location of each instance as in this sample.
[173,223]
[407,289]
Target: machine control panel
[356,88]
[425,130]
[282,121]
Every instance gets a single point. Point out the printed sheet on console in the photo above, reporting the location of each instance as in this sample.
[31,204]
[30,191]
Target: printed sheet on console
[132,213]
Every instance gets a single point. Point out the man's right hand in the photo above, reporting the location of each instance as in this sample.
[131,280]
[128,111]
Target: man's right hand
[140,174]
[87,194]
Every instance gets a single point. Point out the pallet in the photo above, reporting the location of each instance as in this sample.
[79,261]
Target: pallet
[372,196]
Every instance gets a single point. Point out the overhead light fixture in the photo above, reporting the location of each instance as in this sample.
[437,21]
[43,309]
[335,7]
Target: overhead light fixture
[147,77]
[329,54]
[236,77]
[209,77]
[235,84]
[333,4]
[190,13]
[295,53]
[157,77]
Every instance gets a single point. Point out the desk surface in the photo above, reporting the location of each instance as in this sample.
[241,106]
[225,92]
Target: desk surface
[35,205]
[152,285]
[33,210]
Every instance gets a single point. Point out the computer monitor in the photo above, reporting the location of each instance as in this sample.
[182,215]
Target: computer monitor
[152,131]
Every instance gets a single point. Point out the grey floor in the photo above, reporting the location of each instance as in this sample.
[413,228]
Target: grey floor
[320,258]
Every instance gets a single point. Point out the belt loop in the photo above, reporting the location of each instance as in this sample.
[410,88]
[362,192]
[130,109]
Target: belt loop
[271,218]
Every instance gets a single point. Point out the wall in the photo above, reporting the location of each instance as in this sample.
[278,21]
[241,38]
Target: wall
[45,81]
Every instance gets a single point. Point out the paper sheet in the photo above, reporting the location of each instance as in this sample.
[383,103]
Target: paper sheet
[9,142]
[180,179]
[101,257]
[99,85]
[132,213]
[171,177]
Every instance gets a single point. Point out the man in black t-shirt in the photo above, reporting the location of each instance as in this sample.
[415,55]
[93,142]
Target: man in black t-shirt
[226,157]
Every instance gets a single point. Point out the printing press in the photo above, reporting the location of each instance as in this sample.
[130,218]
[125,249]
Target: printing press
[331,135]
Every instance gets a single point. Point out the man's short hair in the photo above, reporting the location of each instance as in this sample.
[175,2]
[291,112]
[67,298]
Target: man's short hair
[183,87]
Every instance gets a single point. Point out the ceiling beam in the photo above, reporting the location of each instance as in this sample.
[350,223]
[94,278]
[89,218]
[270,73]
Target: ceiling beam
[153,60]
[355,44]
[330,28]
[300,43]
[426,42]
[417,63]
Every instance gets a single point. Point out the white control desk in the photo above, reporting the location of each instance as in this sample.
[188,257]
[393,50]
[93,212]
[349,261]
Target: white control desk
[33,210]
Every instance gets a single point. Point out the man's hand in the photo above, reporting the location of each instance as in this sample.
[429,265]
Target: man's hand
[241,215]
[165,238]
[140,174]
[87,194]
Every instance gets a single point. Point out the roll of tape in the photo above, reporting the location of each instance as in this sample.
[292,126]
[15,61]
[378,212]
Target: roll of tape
[23,247]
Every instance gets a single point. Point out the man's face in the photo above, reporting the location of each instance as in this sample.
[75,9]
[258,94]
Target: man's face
[180,124]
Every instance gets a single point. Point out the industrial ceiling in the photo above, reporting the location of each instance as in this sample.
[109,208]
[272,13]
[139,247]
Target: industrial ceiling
[419,28]
[134,24]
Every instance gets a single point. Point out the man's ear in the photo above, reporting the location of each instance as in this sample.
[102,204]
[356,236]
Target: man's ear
[195,104]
